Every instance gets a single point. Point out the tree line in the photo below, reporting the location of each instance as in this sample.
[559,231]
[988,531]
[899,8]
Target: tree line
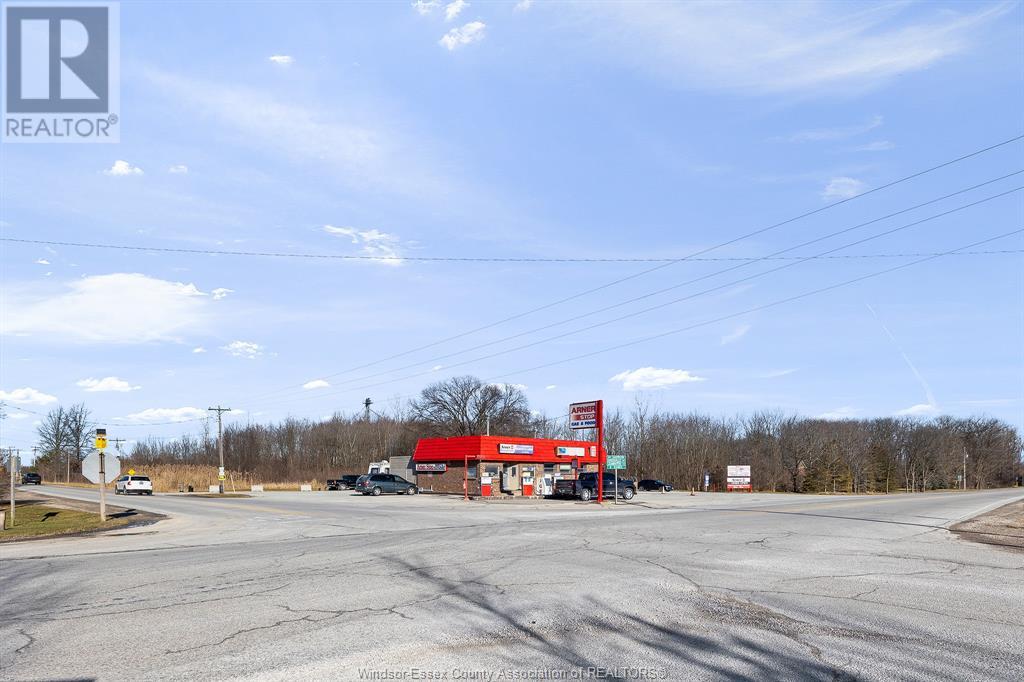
[785,452]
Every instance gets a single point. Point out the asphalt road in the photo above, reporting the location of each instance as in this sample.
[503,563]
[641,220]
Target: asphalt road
[334,586]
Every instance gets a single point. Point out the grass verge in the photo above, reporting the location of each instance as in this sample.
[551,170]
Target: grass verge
[34,519]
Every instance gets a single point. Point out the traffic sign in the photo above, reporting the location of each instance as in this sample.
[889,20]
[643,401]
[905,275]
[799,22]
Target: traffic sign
[91,468]
[131,472]
[101,439]
[615,462]
[220,474]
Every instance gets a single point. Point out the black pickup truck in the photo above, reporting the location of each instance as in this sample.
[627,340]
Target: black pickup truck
[347,482]
[585,487]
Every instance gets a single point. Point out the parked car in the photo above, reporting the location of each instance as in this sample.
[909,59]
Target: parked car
[585,486]
[346,482]
[140,485]
[31,478]
[649,484]
[375,484]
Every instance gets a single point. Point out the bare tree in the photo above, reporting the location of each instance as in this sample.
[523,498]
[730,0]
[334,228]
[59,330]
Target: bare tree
[462,406]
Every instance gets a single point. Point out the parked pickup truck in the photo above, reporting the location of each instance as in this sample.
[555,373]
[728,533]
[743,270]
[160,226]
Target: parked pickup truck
[585,487]
[347,482]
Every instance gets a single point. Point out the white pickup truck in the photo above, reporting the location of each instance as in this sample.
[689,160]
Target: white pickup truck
[140,485]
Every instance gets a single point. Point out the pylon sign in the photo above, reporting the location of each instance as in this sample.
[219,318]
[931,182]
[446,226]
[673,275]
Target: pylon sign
[91,468]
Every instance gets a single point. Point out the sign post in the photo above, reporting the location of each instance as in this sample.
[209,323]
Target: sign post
[590,415]
[615,463]
[97,469]
[101,445]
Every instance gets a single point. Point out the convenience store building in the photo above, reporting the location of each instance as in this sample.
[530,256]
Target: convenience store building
[494,466]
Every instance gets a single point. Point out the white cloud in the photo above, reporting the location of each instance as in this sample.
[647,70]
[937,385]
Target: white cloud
[27,396]
[453,9]
[736,334]
[842,188]
[845,412]
[221,292]
[652,378]
[140,309]
[550,387]
[877,146]
[425,7]
[782,47]
[316,383]
[198,349]
[473,32]
[435,368]
[518,387]
[360,145]
[919,410]
[244,349]
[42,261]
[374,243]
[123,168]
[523,5]
[106,384]
[178,169]
[166,414]
[837,133]
[282,59]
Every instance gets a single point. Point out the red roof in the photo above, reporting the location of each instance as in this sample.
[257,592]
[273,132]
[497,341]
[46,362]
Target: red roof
[502,449]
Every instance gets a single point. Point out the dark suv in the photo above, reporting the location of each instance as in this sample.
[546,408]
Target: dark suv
[346,482]
[655,484]
[375,484]
[585,486]
[31,478]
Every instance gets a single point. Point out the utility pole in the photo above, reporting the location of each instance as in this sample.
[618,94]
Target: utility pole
[12,464]
[220,442]
[965,468]
[366,405]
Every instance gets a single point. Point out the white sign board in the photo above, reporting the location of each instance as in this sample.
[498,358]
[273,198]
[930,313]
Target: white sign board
[515,449]
[741,470]
[734,480]
[583,415]
[91,468]
[564,451]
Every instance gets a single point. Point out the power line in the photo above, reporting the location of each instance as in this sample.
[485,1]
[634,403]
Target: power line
[662,305]
[764,306]
[464,259]
[747,311]
[647,271]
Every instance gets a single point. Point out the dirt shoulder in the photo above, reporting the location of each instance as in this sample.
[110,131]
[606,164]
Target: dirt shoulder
[40,516]
[1003,527]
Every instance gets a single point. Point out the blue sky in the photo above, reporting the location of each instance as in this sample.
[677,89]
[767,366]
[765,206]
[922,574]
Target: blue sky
[517,129]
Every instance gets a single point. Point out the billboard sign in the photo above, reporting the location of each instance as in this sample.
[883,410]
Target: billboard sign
[515,449]
[583,415]
[738,477]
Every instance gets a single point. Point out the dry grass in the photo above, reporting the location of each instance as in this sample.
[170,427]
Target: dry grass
[169,478]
